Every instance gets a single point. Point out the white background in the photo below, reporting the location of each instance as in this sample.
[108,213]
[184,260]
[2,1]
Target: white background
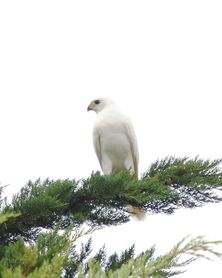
[161,61]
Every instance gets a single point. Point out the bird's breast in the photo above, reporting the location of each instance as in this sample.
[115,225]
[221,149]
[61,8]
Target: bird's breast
[114,144]
[113,138]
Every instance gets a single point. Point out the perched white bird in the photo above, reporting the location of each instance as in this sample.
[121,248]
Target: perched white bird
[115,142]
[114,138]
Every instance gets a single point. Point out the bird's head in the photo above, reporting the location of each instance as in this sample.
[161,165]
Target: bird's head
[99,104]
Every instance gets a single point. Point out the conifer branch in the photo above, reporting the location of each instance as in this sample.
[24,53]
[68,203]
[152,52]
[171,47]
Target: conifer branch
[54,255]
[148,265]
[102,200]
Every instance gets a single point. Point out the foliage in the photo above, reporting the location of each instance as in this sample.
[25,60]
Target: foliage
[102,200]
[147,264]
[35,235]
[54,255]
[192,180]
[43,259]
[4,217]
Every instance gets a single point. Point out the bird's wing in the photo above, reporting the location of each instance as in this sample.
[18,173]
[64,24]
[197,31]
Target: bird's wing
[97,146]
[133,145]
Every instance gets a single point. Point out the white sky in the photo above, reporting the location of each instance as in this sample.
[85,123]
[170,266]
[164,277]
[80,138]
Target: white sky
[162,63]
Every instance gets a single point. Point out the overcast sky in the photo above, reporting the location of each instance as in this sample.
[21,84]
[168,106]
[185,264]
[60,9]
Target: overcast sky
[161,61]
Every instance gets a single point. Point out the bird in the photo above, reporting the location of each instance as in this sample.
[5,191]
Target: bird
[114,138]
[115,142]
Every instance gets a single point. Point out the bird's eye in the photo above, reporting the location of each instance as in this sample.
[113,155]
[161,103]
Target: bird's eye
[97,101]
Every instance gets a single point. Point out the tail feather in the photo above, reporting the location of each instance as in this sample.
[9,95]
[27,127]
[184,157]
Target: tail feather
[137,213]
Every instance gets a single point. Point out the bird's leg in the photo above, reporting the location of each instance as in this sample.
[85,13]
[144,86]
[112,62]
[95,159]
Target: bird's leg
[106,166]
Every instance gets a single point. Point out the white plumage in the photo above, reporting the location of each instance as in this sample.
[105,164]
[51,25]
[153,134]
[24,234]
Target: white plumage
[114,138]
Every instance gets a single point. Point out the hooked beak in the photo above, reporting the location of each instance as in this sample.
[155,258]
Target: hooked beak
[91,107]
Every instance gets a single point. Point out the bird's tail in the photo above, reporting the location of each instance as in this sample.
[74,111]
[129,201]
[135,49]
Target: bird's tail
[136,212]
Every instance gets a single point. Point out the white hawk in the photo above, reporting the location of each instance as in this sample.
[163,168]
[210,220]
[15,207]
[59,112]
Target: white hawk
[114,138]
